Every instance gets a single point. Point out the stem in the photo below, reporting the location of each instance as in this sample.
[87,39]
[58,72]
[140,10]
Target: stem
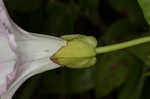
[123,45]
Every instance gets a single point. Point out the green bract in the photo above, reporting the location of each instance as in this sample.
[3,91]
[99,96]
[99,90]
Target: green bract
[79,52]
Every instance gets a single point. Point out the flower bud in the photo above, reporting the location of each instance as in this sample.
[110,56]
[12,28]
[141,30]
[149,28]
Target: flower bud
[78,53]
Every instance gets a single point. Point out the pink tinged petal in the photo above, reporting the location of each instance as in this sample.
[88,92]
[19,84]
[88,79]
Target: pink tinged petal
[7,26]
[7,62]
[6,53]
[35,51]
[9,29]
[32,54]
[7,46]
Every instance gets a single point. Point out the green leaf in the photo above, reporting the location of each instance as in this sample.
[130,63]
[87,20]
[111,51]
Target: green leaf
[111,71]
[134,85]
[142,52]
[129,9]
[120,30]
[67,81]
[145,5]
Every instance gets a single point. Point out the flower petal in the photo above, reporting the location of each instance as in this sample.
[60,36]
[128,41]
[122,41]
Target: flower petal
[35,68]
[35,53]
[7,62]
[8,48]
[7,26]
[23,54]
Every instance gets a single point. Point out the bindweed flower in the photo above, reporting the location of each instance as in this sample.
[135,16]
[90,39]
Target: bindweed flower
[22,54]
[80,52]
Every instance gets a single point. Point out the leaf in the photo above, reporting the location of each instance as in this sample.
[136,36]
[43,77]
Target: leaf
[129,9]
[134,85]
[67,81]
[142,51]
[111,71]
[145,5]
[119,31]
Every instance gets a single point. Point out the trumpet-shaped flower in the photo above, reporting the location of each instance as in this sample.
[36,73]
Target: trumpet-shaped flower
[22,54]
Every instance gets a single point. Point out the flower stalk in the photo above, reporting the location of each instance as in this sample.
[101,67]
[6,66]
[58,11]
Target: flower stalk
[127,44]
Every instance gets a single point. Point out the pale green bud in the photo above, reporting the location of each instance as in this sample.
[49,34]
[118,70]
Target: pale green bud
[80,52]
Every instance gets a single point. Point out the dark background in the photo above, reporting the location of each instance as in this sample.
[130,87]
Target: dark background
[117,75]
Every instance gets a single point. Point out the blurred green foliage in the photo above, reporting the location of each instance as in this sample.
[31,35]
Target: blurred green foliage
[67,81]
[117,75]
[110,75]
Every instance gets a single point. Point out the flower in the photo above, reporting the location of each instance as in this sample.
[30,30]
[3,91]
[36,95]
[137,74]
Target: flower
[22,54]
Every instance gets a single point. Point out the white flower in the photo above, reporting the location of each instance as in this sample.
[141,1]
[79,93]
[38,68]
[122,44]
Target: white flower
[22,54]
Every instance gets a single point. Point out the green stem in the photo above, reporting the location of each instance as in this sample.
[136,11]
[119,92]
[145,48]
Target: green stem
[123,45]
